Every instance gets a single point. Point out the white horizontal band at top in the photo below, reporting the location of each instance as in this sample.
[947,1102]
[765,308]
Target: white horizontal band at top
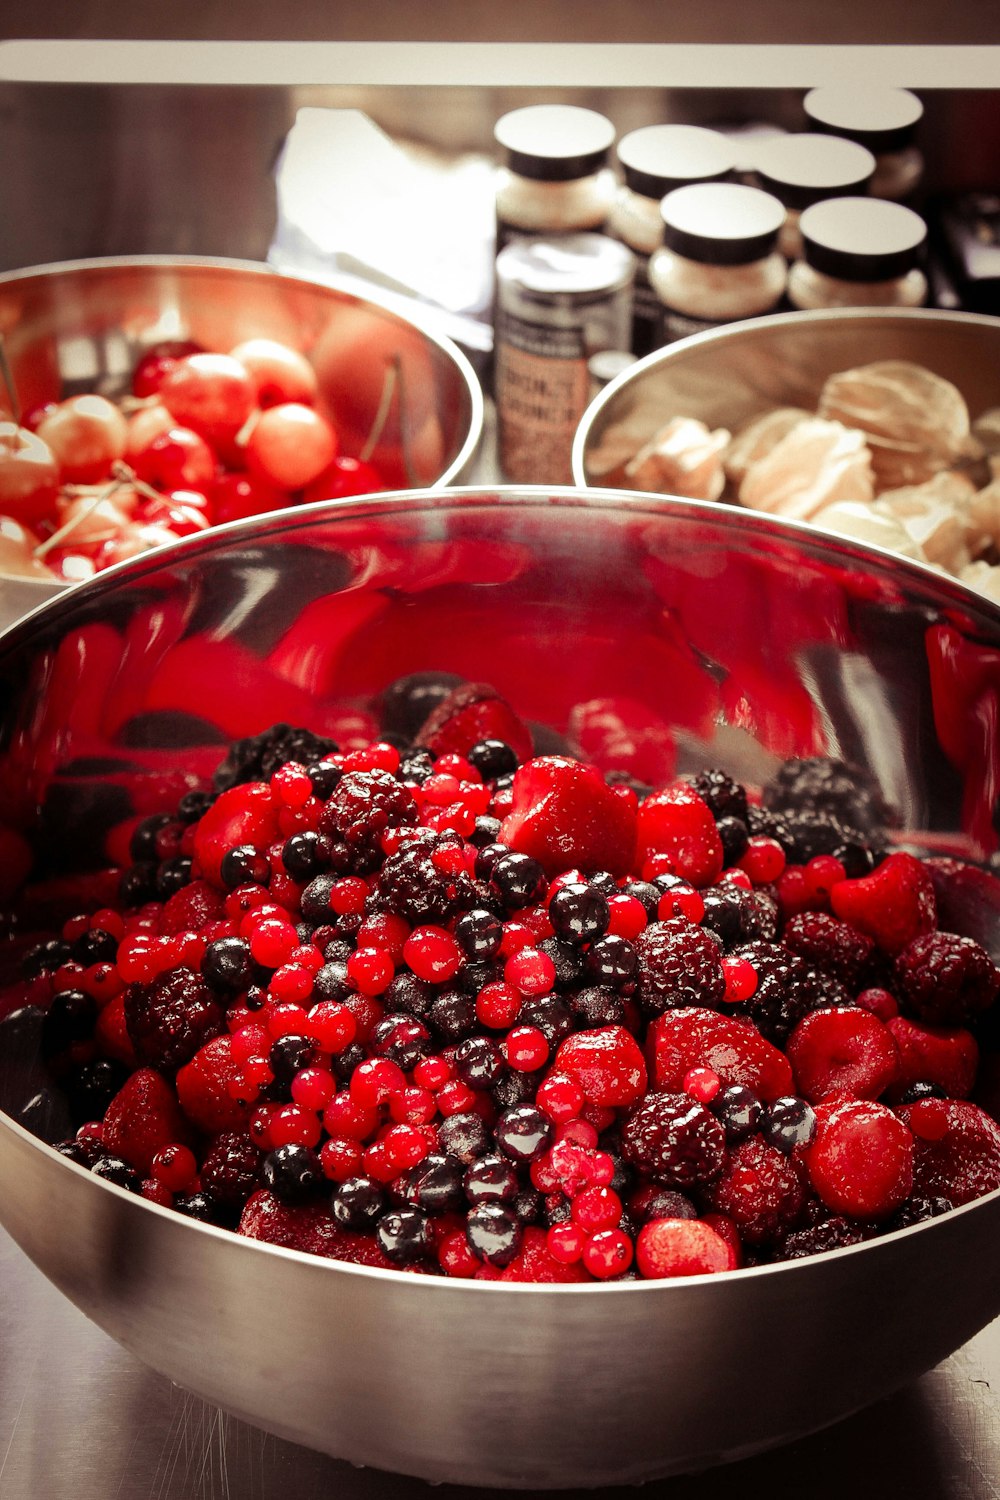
[496,64]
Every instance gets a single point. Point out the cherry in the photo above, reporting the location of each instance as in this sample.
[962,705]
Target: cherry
[176,459]
[213,394]
[86,434]
[144,426]
[343,478]
[157,363]
[279,374]
[17,545]
[290,445]
[236,497]
[29,475]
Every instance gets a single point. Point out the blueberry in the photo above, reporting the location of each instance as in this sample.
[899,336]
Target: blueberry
[491,1179]
[478,1062]
[463,1136]
[293,1173]
[789,1122]
[738,1111]
[404,1234]
[225,964]
[494,1233]
[578,913]
[479,932]
[357,1202]
[492,758]
[518,880]
[523,1133]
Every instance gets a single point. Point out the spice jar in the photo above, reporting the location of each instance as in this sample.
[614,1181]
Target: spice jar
[559,302]
[655,160]
[804,169]
[719,259]
[555,177]
[859,252]
[884,120]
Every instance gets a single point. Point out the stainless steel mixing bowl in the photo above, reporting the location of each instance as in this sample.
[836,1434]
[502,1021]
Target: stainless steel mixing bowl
[82,326]
[731,374]
[754,639]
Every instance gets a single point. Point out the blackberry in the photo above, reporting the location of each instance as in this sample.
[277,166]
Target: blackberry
[412,886]
[945,979]
[231,1169]
[830,1234]
[674,1140]
[826,943]
[597,1005]
[847,793]
[362,807]
[918,1208]
[725,797]
[170,1018]
[788,988]
[257,757]
[678,965]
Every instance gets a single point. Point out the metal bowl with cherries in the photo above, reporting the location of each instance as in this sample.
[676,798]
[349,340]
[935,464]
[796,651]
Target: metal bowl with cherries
[750,641]
[401,396]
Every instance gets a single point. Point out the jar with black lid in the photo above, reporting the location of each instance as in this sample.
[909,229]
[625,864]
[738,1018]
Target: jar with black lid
[719,260]
[859,252]
[555,176]
[808,168]
[885,120]
[655,160]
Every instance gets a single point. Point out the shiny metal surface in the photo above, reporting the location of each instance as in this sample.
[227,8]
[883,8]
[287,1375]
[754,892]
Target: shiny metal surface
[82,325]
[556,597]
[729,375]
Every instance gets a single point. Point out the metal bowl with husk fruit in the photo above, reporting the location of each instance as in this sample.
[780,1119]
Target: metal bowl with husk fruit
[126,421]
[654,638]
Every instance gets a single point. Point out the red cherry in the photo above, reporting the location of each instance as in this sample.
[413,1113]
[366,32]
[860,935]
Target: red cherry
[606,1062]
[29,475]
[155,365]
[861,1158]
[17,546]
[290,445]
[343,478]
[236,497]
[177,459]
[679,823]
[695,1037]
[86,435]
[279,373]
[213,394]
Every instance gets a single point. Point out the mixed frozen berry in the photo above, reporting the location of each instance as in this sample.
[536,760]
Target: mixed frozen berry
[444,1004]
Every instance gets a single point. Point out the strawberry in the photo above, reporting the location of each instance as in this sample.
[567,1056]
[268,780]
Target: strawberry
[682,1247]
[607,1063]
[203,1084]
[191,908]
[142,1118]
[842,1053]
[310,1228]
[469,714]
[947,1056]
[564,814]
[678,822]
[693,1037]
[111,1033]
[893,905]
[956,1151]
[860,1160]
[243,814]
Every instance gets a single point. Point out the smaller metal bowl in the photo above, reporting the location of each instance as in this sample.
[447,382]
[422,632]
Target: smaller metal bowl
[81,326]
[732,374]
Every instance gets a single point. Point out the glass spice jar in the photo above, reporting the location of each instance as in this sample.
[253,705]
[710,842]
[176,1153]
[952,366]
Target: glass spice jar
[655,160]
[883,120]
[859,252]
[808,168]
[555,176]
[719,260]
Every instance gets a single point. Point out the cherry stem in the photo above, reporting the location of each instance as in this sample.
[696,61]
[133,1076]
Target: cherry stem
[392,374]
[7,374]
[403,408]
[102,492]
[125,474]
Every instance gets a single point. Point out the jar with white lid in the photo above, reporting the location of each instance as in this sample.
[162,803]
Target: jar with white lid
[859,252]
[885,120]
[555,176]
[808,168]
[719,260]
[655,160]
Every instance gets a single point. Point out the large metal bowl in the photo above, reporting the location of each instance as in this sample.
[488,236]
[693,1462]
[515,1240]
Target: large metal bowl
[754,639]
[82,326]
[729,375]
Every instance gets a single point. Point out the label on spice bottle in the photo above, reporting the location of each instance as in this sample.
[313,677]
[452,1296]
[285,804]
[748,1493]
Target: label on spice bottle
[542,389]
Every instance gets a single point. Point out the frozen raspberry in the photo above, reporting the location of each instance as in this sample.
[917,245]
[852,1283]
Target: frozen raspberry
[564,815]
[679,964]
[257,757]
[675,1140]
[469,714]
[731,1047]
[142,1118]
[956,1149]
[787,989]
[860,1161]
[231,1168]
[171,1017]
[410,884]
[893,905]
[607,1063]
[682,1247]
[836,790]
[945,1056]
[361,808]
[945,979]
[844,1053]
[831,945]
[203,1088]
[679,823]
[759,1190]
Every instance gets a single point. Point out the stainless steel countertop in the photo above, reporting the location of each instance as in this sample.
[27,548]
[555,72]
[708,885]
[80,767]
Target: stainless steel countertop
[81,1419]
